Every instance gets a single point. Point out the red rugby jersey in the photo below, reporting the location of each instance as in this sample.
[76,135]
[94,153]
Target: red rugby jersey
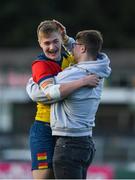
[44,69]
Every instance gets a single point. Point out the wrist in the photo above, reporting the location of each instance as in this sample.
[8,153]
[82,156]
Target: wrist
[84,81]
[65,39]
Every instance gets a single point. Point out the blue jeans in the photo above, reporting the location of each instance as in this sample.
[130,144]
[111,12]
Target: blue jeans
[72,157]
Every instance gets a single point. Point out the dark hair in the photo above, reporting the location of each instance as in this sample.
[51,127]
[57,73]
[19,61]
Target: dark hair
[92,39]
[47,27]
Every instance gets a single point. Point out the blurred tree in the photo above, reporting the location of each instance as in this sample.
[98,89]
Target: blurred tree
[19,20]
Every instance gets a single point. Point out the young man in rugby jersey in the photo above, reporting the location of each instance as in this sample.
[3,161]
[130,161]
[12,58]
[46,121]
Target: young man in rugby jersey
[53,59]
[73,116]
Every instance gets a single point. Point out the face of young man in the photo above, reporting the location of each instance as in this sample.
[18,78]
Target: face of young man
[51,45]
[77,50]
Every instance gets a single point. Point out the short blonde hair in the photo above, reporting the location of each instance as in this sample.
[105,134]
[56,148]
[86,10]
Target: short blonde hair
[46,27]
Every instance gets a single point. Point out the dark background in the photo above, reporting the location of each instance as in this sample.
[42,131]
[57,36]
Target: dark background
[115,19]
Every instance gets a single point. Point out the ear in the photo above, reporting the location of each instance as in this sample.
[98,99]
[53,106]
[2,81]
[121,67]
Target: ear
[83,49]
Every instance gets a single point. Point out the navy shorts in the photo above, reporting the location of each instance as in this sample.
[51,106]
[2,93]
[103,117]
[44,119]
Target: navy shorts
[41,145]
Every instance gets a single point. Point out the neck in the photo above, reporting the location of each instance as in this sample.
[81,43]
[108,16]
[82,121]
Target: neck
[85,57]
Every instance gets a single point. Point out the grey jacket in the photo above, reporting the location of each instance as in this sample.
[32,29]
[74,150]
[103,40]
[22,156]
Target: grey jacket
[75,115]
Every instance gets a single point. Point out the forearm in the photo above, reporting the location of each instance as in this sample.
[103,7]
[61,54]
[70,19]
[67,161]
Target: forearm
[90,81]
[68,88]
[60,91]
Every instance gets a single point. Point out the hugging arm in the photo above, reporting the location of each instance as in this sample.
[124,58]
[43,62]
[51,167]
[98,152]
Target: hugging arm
[48,92]
[67,41]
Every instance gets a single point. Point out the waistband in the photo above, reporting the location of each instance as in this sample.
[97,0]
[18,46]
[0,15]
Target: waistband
[72,132]
[74,137]
[41,122]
